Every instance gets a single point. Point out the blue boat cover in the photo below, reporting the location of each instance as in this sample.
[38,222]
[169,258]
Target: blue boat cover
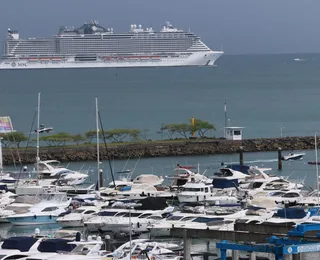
[291,213]
[238,167]
[225,183]
[126,188]
[55,245]
[20,243]
[4,187]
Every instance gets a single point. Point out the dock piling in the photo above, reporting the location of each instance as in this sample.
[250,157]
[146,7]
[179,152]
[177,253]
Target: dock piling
[279,159]
[241,155]
[101,177]
[252,256]
[235,255]
[186,245]
[296,257]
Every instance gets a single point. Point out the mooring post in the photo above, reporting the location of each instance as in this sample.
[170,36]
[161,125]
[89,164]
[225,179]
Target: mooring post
[101,177]
[235,255]
[241,155]
[252,256]
[296,257]
[187,245]
[279,159]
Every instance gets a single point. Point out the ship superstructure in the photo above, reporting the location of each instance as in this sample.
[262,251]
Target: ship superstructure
[92,45]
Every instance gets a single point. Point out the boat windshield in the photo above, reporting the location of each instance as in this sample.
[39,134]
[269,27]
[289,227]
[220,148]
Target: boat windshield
[174,218]
[54,164]
[48,209]
[79,211]
[192,189]
[132,215]
[83,249]
[107,213]
[187,218]
[205,220]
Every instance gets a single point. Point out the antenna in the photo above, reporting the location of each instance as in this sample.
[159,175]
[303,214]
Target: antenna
[38,137]
[98,148]
[317,168]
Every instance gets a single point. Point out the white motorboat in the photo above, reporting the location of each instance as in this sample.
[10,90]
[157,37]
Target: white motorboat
[228,178]
[263,185]
[45,212]
[52,170]
[145,185]
[136,191]
[117,220]
[200,222]
[54,249]
[195,191]
[20,205]
[210,220]
[145,249]
[183,174]
[78,216]
[258,215]
[293,156]
[223,198]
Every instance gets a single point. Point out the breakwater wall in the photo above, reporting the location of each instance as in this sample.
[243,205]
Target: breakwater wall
[158,149]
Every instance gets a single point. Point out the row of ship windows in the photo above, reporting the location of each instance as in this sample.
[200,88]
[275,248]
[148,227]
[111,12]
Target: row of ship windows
[100,45]
[100,48]
[52,43]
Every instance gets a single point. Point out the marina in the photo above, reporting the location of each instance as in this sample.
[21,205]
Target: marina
[164,145]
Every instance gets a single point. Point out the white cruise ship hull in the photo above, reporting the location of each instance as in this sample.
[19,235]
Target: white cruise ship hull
[195,59]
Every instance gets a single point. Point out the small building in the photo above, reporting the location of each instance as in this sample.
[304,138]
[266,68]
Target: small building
[233,133]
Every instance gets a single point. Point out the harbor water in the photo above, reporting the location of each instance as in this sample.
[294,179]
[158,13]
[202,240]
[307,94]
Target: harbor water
[264,94]
[269,95]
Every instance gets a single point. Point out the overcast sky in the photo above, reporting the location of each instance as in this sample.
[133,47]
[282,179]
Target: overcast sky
[237,26]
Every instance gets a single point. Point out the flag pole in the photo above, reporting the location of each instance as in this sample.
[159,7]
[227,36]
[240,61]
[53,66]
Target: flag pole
[225,118]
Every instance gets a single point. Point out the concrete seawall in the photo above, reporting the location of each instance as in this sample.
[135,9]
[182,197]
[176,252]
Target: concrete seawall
[159,149]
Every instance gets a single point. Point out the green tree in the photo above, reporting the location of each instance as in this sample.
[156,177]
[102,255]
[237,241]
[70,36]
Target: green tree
[202,127]
[120,134]
[15,138]
[169,129]
[57,139]
[183,129]
[90,135]
[78,138]
[144,134]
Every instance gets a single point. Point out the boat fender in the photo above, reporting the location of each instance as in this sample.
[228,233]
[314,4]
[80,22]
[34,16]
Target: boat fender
[152,258]
[35,216]
[50,217]
[138,224]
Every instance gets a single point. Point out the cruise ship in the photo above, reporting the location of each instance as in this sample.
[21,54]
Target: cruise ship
[93,46]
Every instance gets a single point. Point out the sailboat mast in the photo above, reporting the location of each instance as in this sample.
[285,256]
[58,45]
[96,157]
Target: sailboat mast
[98,143]
[317,168]
[1,158]
[38,134]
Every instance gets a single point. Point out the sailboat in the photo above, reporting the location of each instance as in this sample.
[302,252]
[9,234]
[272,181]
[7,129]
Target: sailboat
[49,173]
[5,178]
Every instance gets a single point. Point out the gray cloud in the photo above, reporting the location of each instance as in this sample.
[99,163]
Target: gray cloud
[239,26]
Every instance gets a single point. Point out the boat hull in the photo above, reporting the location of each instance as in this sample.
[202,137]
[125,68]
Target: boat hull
[206,58]
[73,223]
[32,220]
